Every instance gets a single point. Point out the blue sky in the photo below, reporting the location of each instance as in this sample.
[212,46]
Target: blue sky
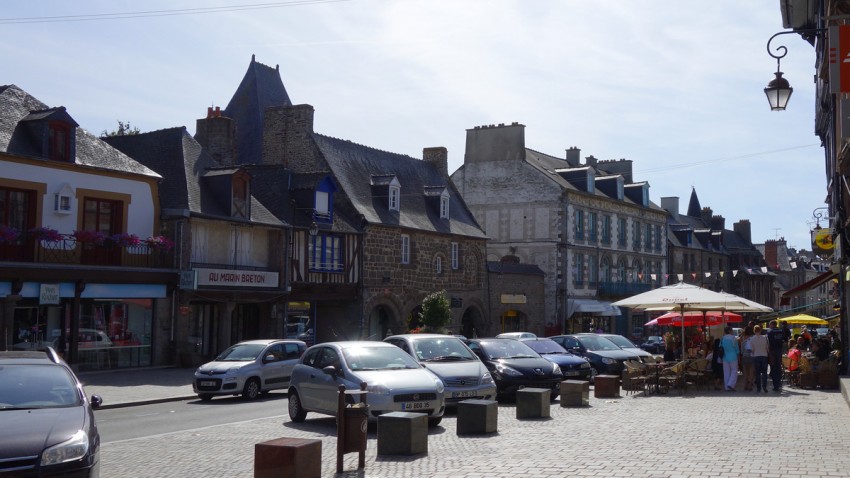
[674,86]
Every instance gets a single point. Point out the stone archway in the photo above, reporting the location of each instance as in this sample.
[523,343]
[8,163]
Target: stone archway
[471,323]
[382,322]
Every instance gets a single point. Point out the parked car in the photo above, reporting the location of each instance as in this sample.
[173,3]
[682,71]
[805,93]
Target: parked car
[249,368]
[462,372]
[572,366]
[515,365]
[395,382]
[516,335]
[654,344]
[627,345]
[86,339]
[48,422]
[605,356]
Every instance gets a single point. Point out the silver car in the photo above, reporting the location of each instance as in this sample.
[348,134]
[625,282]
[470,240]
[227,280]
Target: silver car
[248,369]
[394,381]
[462,372]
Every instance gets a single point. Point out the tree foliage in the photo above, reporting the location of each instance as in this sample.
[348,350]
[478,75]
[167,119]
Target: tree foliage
[124,129]
[436,313]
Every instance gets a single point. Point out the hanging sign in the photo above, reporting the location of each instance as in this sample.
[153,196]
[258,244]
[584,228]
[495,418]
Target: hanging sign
[822,243]
[48,294]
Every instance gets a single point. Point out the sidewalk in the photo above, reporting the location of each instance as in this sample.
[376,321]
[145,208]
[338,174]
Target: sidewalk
[129,387]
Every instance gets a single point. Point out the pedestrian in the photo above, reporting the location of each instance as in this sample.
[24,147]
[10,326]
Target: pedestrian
[730,359]
[775,347]
[760,348]
[669,347]
[748,366]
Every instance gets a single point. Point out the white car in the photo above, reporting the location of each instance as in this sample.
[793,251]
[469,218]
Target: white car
[394,381]
[249,368]
[462,372]
[516,335]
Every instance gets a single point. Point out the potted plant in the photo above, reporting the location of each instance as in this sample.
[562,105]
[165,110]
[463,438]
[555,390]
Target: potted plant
[89,237]
[8,234]
[125,240]
[159,243]
[46,234]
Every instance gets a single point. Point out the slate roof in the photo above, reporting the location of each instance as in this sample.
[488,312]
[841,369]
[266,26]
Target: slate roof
[16,105]
[182,162]
[354,166]
[514,268]
[261,87]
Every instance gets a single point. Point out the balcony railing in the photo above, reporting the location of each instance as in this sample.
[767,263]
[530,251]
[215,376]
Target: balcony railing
[621,289]
[68,250]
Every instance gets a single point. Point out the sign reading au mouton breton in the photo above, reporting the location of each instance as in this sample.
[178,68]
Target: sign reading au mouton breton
[236,278]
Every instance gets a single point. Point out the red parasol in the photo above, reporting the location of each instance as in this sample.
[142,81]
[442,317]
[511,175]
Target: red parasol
[695,318]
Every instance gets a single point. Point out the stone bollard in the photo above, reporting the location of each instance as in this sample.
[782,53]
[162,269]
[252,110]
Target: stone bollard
[533,402]
[289,457]
[606,386]
[477,417]
[575,393]
[402,433]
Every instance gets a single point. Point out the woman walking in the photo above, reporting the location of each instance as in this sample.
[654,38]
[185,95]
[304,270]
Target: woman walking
[748,366]
[760,351]
[730,359]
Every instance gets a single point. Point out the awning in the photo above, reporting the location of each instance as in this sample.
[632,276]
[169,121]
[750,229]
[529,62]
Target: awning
[785,298]
[591,306]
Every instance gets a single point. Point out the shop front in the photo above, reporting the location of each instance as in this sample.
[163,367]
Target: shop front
[94,326]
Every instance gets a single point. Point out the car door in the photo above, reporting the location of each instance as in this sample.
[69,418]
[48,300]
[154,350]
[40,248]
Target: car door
[325,387]
[271,367]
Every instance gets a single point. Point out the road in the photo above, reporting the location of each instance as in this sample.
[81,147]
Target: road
[143,421]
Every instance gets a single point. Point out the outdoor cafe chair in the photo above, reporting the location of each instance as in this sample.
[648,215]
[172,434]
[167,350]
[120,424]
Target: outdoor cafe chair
[697,374]
[672,376]
[634,377]
[791,377]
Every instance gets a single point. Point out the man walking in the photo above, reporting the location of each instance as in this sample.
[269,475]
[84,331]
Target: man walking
[775,342]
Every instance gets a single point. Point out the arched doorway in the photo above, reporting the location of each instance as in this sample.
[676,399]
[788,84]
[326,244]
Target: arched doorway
[380,323]
[470,323]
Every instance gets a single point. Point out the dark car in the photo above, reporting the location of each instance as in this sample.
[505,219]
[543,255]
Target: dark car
[572,366]
[605,356]
[515,365]
[654,344]
[627,345]
[48,426]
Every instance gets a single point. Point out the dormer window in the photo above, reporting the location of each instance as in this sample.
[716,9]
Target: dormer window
[591,181]
[395,196]
[620,188]
[444,205]
[323,205]
[59,141]
[240,196]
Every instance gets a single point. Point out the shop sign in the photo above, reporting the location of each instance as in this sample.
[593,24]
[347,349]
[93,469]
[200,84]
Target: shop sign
[189,280]
[48,294]
[822,243]
[839,59]
[513,299]
[237,278]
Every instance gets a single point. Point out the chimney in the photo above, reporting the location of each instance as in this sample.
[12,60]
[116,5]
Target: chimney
[771,253]
[439,158]
[718,223]
[574,157]
[671,205]
[590,161]
[217,135]
[495,143]
[706,214]
[285,130]
[742,228]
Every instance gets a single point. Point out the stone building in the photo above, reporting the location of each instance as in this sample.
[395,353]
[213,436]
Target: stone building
[589,227]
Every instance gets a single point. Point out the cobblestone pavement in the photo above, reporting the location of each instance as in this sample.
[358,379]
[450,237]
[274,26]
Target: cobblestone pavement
[798,433]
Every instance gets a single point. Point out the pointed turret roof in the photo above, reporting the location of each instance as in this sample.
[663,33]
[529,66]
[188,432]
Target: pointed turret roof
[261,88]
[694,209]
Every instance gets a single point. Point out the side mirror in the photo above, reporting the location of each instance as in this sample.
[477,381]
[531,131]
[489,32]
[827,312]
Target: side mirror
[96,401]
[331,370]
[269,358]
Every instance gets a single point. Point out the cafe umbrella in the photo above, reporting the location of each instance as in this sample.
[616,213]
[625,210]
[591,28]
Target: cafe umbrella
[682,297]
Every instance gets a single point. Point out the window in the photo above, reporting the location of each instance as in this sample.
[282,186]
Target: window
[322,203]
[605,270]
[59,142]
[405,249]
[591,226]
[592,269]
[17,209]
[636,239]
[395,197]
[454,256]
[657,238]
[621,231]
[444,206]
[693,263]
[621,270]
[438,265]
[200,240]
[325,253]
[239,205]
[606,229]
[579,225]
[241,245]
[684,262]
[102,215]
[648,237]
[578,268]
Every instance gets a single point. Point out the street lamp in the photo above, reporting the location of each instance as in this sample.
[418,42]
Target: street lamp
[778,91]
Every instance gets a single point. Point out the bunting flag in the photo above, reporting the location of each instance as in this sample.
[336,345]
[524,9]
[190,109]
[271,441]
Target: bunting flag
[708,274]
[735,273]
[681,277]
[793,265]
[749,271]
[640,275]
[666,276]
[764,269]
[652,276]
[721,273]
[694,275]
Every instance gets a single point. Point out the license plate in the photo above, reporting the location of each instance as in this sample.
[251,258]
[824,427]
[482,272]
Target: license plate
[206,383]
[415,405]
[466,394]
[571,373]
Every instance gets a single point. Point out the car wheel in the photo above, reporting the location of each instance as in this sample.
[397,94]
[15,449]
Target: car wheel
[434,421]
[296,411]
[251,390]
[554,396]
[206,397]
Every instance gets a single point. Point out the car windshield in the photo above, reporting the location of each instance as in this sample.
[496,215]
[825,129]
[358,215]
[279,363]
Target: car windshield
[507,348]
[595,342]
[378,358]
[439,349]
[241,353]
[621,341]
[36,386]
[654,338]
[544,347]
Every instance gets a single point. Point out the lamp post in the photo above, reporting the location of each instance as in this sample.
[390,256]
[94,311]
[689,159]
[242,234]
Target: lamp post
[778,90]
